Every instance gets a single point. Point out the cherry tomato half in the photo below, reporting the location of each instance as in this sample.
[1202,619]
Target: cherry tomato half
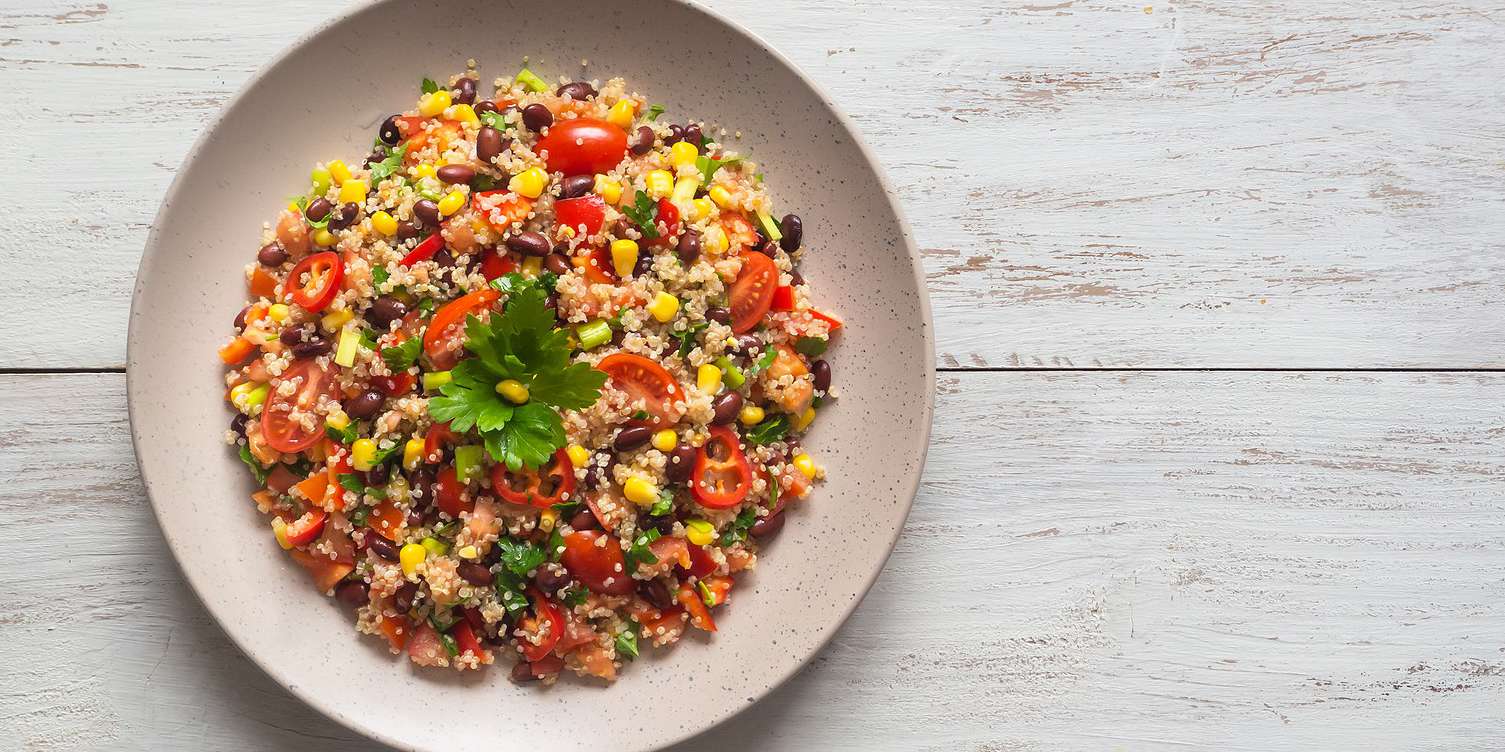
[721,477]
[752,293]
[583,146]
[325,272]
[287,435]
[446,332]
[643,379]
[585,213]
[449,493]
[542,488]
[601,568]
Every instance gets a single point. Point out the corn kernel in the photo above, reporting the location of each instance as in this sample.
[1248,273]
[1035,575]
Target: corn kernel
[513,390]
[530,182]
[433,103]
[683,153]
[463,113]
[721,196]
[468,552]
[665,440]
[579,455]
[384,223]
[701,208]
[412,454]
[610,191]
[640,491]
[708,378]
[663,307]
[805,419]
[278,312]
[423,170]
[451,203]
[248,395]
[805,465]
[621,113]
[353,192]
[624,256]
[684,189]
[321,179]
[337,420]
[751,415]
[715,240]
[337,171]
[323,237]
[660,183]
[363,454]
[333,320]
[700,532]
[411,556]
[547,519]
[292,206]
[531,266]
[279,531]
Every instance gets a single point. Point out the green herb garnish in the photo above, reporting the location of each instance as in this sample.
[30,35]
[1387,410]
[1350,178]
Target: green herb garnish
[627,641]
[389,166]
[450,646]
[428,86]
[687,338]
[709,165]
[358,516]
[763,361]
[768,431]
[256,468]
[483,183]
[521,557]
[575,596]
[737,531]
[664,505]
[643,211]
[638,554]
[812,346]
[380,275]
[351,482]
[401,357]
[654,110]
[510,591]
[493,119]
[344,435]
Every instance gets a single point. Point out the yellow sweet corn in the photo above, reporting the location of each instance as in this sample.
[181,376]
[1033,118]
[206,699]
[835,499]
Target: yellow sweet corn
[579,455]
[531,266]
[363,454]
[423,170]
[279,531]
[337,420]
[805,465]
[412,454]
[384,223]
[248,395]
[805,419]
[609,190]
[411,556]
[323,238]
[624,256]
[547,519]
[337,172]
[621,113]
[333,320]
[683,153]
[468,552]
[721,196]
[530,182]
[451,203]
[278,312]
[751,415]
[640,491]
[715,240]
[433,103]
[708,378]
[663,307]
[463,113]
[700,532]
[353,192]
[665,440]
[660,183]
[701,208]
[515,391]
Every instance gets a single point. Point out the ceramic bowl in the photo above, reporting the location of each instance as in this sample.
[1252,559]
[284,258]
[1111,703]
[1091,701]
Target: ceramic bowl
[324,98]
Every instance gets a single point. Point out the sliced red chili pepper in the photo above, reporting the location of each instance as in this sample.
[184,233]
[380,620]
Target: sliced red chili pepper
[465,639]
[542,487]
[783,299]
[425,250]
[325,272]
[721,478]
[545,615]
[449,493]
[834,322]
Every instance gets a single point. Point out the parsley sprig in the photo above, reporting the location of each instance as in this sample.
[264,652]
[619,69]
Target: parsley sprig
[520,344]
[643,211]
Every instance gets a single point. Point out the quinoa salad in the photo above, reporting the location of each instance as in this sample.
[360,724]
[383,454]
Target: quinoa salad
[528,382]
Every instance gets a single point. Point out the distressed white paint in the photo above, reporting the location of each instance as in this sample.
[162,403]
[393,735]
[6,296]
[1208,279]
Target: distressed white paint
[1245,561]
[1141,183]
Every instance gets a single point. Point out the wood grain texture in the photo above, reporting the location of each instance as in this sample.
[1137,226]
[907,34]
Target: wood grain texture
[1191,183]
[1095,561]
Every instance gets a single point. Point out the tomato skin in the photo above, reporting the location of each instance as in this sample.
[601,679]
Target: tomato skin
[465,640]
[740,233]
[282,434]
[597,267]
[583,146]
[721,483]
[562,471]
[667,223]
[393,386]
[306,529]
[834,322]
[425,250]
[752,292]
[501,208]
[326,272]
[719,586]
[644,379]
[448,493]
[593,565]
[437,340]
[494,264]
[701,563]
[546,612]
[588,211]
[783,299]
[438,437]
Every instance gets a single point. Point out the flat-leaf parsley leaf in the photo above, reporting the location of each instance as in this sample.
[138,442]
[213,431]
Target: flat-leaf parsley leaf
[643,211]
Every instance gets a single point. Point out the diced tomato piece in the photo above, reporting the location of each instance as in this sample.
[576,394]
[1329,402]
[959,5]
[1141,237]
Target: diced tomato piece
[495,264]
[280,479]
[701,561]
[237,352]
[465,640]
[326,571]
[501,209]
[783,299]
[450,495]
[700,616]
[586,213]
[667,626]
[596,660]
[395,386]
[387,519]
[833,321]
[396,629]
[425,648]
[601,568]
[263,284]
[719,586]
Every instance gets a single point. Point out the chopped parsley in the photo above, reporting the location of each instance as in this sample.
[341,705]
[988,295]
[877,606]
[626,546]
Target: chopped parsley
[521,557]
[664,505]
[428,86]
[510,590]
[450,646]
[358,516]
[737,531]
[351,482]
[380,275]
[768,431]
[576,596]
[256,468]
[493,119]
[638,554]
[344,435]
[654,110]
[627,641]
[811,346]
[687,338]
[448,529]
[426,307]
[401,357]
[482,183]
[521,344]
[762,362]
[709,165]
[643,211]
[389,166]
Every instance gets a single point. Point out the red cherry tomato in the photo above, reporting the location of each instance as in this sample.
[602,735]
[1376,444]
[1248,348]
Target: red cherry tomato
[394,386]
[700,616]
[583,146]
[601,568]
[545,615]
[740,233]
[783,299]
[465,640]
[752,293]
[425,249]
[542,488]
[667,223]
[287,435]
[446,333]
[325,272]
[643,379]
[596,266]
[721,477]
[494,264]
[305,529]
[449,493]
[584,214]
[438,437]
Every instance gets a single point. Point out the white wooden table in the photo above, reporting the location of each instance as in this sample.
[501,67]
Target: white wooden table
[1218,452]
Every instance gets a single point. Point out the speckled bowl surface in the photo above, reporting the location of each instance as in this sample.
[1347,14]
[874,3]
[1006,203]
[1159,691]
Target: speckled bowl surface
[324,98]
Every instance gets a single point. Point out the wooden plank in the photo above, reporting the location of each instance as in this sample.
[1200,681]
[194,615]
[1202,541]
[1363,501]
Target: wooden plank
[1237,561]
[1268,183]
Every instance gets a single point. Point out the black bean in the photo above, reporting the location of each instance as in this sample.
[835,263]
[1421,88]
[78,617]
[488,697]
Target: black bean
[488,144]
[767,248]
[240,319]
[381,547]
[575,186]
[719,315]
[749,342]
[537,117]
[444,258]
[726,407]
[291,336]
[384,310]
[522,673]
[402,600]
[681,463]
[822,372]
[376,155]
[390,134]
[271,254]
[676,135]
[631,437]
[766,527]
[584,519]
[694,135]
[551,579]
[464,91]
[312,346]
[642,140]
[238,423]
[408,230]
[657,593]
[427,212]
[557,263]
[689,247]
[364,405]
[795,278]
[793,231]
[529,243]
[421,482]
[352,593]
[319,209]
[643,266]
[345,216]
[485,105]
[456,173]
[576,90]
[473,573]
[378,475]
